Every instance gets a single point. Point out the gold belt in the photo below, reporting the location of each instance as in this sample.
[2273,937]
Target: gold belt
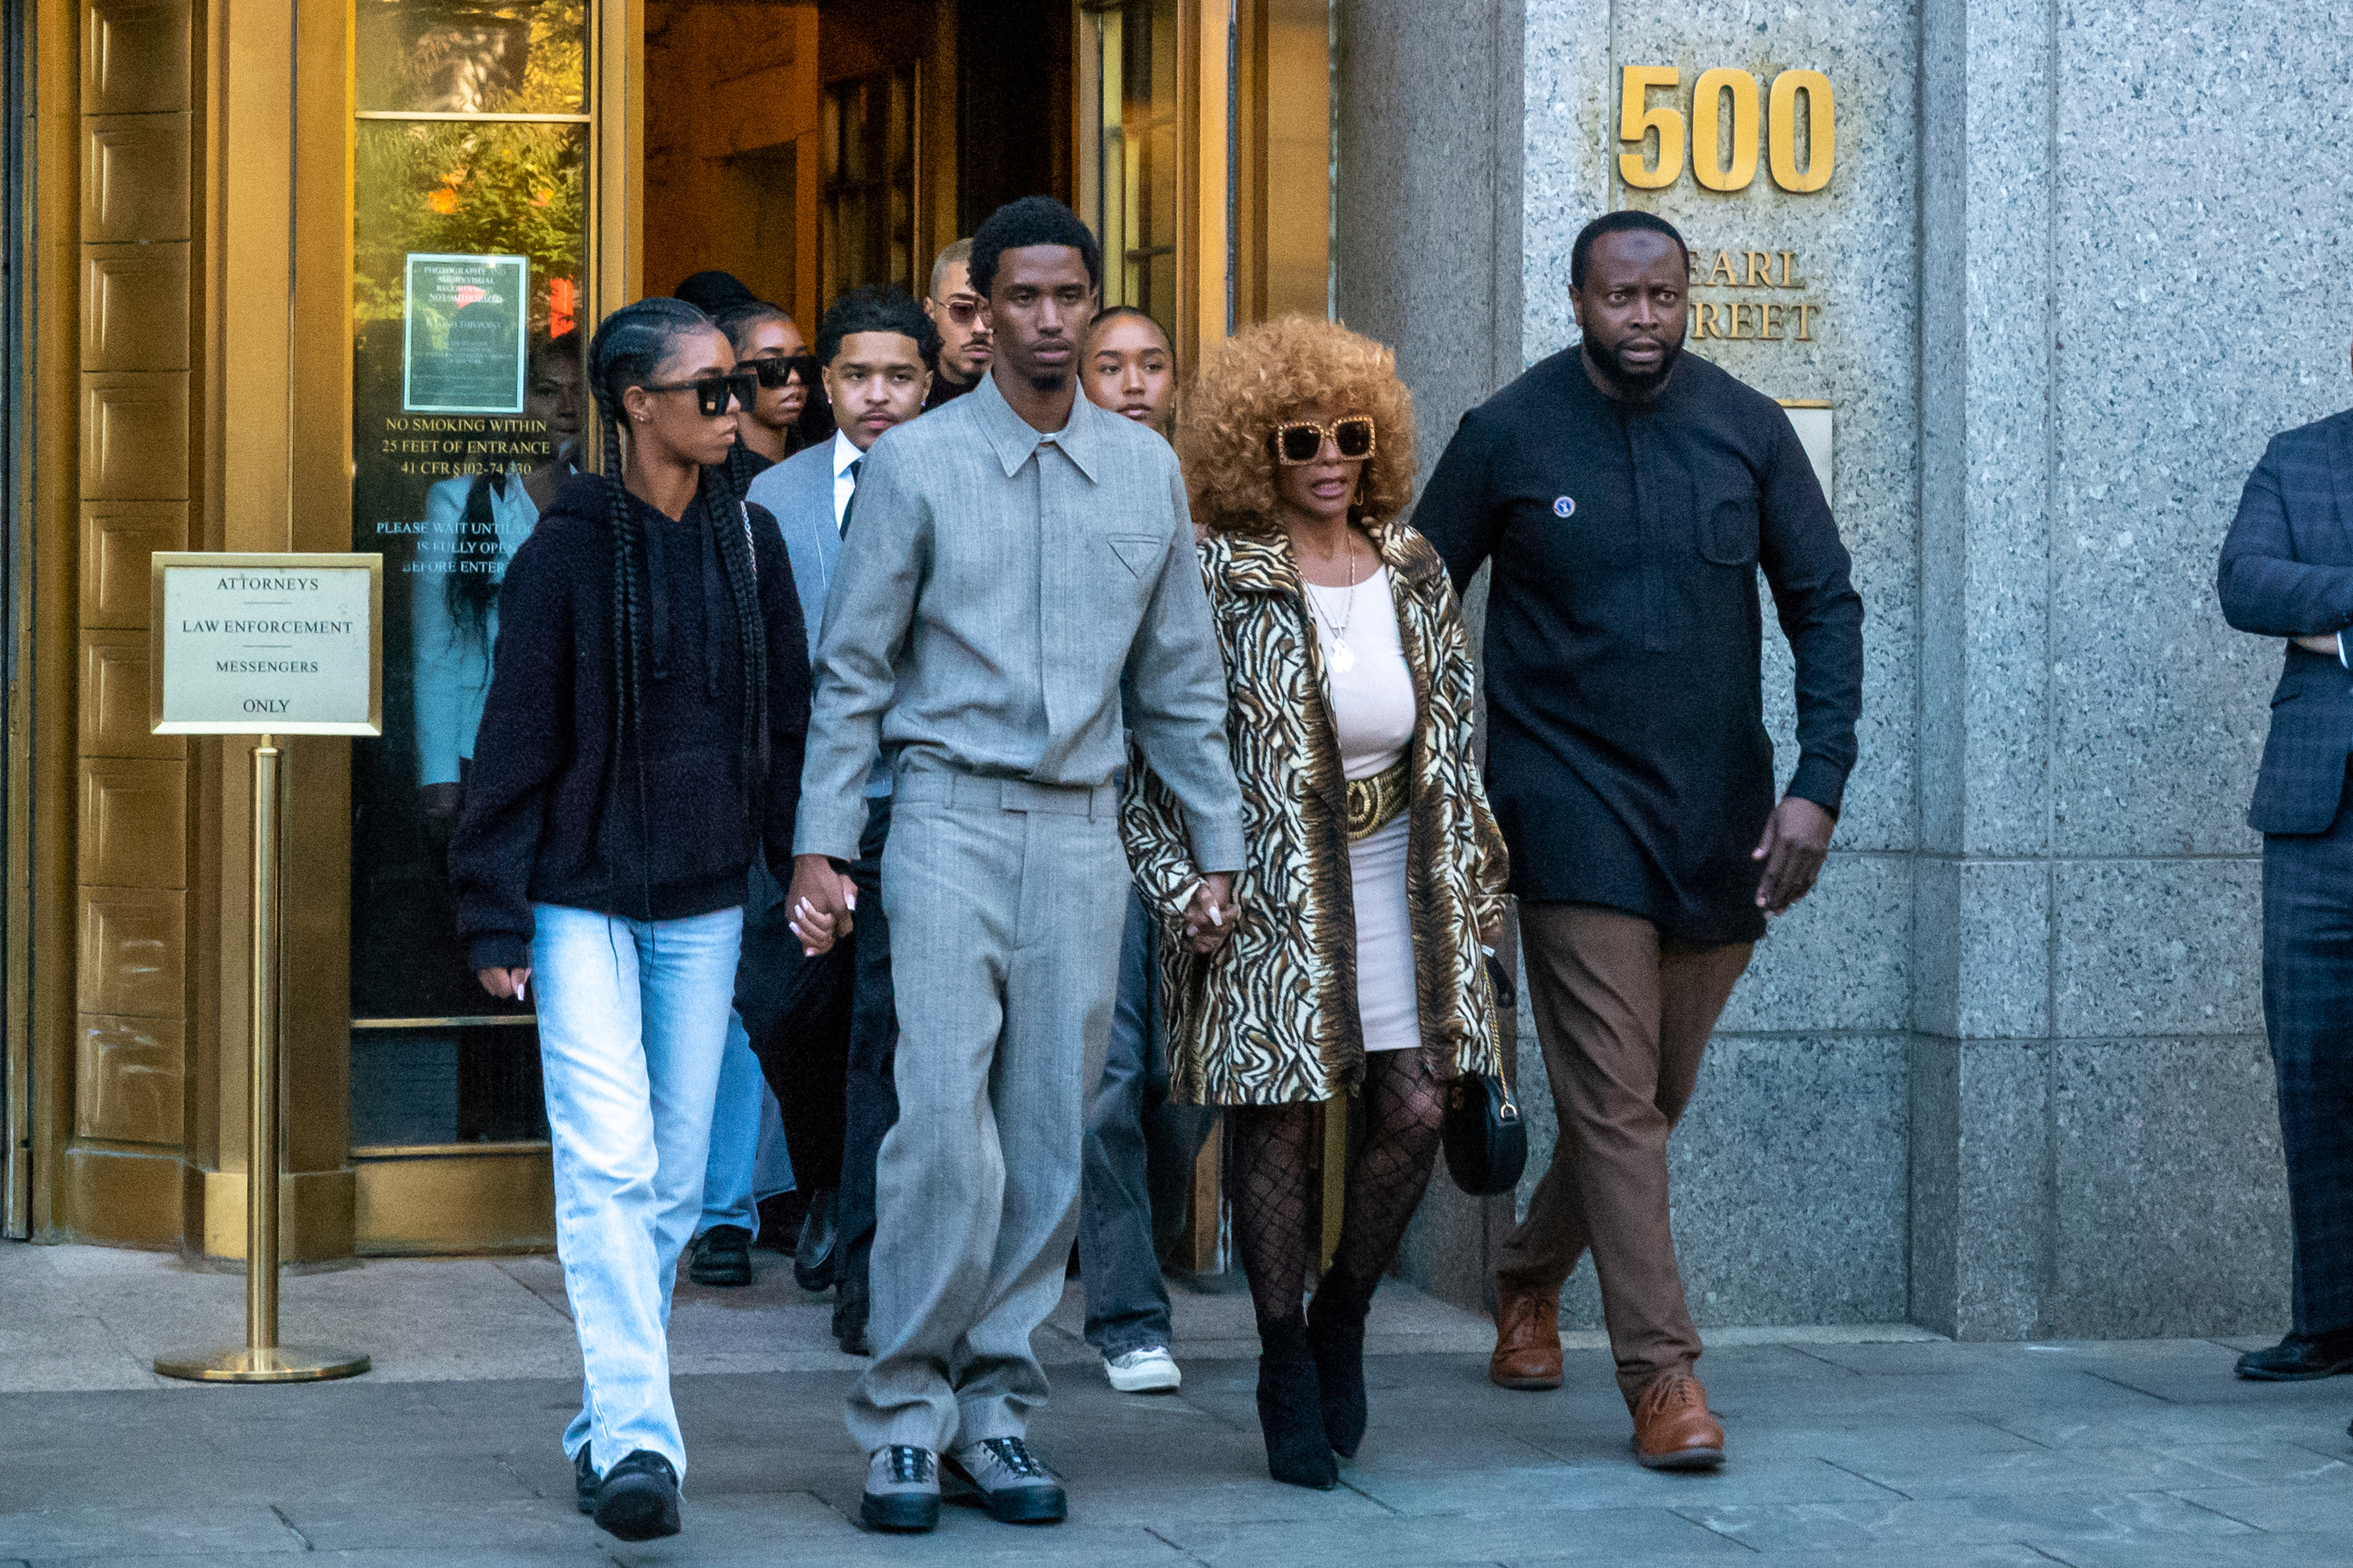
[1375,803]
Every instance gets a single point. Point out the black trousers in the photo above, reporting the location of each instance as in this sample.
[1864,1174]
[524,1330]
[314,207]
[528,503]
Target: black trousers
[2308,1012]
[870,1097]
[797,1011]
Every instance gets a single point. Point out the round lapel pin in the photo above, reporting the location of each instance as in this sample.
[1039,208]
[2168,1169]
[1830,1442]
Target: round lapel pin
[1564,507]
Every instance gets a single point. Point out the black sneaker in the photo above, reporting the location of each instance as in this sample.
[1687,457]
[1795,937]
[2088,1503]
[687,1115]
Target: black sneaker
[584,1480]
[2299,1358]
[637,1499]
[723,1256]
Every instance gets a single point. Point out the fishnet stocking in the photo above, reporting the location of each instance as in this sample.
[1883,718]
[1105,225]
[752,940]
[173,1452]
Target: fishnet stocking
[1273,1182]
[1401,1108]
[1272,1144]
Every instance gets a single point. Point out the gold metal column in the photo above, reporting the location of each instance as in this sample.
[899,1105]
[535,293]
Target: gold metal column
[261,1359]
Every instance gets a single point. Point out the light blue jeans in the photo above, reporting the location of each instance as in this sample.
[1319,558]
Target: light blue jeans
[632,1027]
[748,1158]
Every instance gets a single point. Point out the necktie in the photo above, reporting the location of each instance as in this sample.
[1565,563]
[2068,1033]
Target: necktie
[852,504]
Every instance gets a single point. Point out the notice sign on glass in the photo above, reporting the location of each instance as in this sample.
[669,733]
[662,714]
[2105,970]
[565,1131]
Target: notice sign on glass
[266,645]
[463,335]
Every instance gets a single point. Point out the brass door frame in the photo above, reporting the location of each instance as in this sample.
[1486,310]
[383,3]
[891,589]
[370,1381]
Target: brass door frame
[15,914]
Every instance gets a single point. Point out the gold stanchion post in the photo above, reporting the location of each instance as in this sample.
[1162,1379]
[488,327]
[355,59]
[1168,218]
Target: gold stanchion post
[261,1359]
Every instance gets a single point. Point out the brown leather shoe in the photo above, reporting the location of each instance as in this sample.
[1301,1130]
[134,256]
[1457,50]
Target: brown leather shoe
[1674,1429]
[1527,1337]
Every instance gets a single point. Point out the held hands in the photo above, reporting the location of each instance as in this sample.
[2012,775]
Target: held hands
[1797,837]
[506,984]
[1212,915]
[821,900]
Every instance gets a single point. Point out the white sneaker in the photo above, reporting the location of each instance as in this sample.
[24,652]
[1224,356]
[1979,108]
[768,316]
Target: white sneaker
[1151,1370]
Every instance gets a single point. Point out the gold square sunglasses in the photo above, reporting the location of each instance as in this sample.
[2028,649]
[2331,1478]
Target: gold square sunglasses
[1301,440]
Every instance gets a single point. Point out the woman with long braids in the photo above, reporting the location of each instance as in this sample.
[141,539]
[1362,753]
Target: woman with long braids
[1374,873]
[641,742]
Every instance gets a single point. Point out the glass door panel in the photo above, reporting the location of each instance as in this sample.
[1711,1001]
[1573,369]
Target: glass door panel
[1129,188]
[469,223]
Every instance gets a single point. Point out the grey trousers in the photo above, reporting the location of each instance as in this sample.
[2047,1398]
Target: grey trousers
[1006,903]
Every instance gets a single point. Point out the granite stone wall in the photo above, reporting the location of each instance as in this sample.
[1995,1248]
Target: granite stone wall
[2003,1074]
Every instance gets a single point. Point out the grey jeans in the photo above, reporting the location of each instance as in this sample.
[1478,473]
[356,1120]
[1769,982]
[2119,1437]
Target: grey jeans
[1005,901]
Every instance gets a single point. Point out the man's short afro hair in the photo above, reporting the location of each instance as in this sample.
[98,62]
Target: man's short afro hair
[878,308]
[1033,220]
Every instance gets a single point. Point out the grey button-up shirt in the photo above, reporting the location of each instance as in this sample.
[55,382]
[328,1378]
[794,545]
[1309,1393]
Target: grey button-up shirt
[994,586]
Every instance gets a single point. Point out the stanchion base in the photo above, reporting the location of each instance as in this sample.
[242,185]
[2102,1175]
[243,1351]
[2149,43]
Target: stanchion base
[243,1363]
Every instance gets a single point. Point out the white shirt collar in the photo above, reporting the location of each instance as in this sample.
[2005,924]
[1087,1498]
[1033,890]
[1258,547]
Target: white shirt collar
[844,454]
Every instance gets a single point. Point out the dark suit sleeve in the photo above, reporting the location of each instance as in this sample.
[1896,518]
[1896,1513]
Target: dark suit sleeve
[1455,512]
[2263,587]
[519,751]
[788,689]
[1810,575]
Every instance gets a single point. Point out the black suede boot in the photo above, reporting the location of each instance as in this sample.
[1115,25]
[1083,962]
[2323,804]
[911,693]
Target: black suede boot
[1335,1333]
[1289,1411]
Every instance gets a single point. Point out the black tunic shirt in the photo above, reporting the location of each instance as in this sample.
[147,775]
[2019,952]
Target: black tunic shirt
[1627,756]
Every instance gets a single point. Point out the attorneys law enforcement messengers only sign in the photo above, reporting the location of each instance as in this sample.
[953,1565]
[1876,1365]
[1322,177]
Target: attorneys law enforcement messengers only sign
[276,645]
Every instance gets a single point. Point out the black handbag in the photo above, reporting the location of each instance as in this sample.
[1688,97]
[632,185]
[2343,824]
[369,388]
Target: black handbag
[1486,1143]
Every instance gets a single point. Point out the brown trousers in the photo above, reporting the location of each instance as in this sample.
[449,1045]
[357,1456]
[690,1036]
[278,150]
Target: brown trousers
[1623,1016]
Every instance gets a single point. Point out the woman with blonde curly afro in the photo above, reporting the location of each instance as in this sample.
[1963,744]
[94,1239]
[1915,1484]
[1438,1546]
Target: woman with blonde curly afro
[1374,875]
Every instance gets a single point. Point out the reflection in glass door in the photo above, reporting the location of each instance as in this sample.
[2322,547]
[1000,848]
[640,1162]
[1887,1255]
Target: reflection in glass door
[469,209]
[1128,182]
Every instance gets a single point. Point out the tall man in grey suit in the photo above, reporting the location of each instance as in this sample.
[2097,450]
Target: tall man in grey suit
[877,351]
[1013,556]
[2287,571]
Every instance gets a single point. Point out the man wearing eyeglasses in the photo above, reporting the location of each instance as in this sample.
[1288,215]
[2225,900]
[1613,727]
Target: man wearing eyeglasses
[1628,495]
[961,317]
[875,350]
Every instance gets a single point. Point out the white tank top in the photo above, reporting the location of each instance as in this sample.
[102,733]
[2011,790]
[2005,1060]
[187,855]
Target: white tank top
[1364,670]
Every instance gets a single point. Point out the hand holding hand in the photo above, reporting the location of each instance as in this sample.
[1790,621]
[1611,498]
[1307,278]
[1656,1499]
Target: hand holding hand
[506,984]
[1796,838]
[1212,915]
[819,900]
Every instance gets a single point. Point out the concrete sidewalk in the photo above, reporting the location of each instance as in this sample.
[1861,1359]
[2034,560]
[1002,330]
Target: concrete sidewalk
[1848,1446]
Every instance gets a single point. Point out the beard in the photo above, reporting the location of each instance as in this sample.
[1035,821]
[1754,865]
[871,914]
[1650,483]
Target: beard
[1633,385]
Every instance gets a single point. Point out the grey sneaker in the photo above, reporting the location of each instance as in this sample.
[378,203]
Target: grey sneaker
[1151,1370]
[1009,1480]
[902,1489]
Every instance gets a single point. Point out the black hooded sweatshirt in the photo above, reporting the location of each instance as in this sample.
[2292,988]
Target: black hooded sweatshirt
[665,830]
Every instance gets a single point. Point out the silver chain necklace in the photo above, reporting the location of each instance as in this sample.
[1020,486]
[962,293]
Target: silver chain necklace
[1343,658]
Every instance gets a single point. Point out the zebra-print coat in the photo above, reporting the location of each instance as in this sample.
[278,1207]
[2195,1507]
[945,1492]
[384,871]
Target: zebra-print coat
[1270,1017]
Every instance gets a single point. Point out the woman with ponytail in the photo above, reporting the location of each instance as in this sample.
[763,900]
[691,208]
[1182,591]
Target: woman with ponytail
[640,744]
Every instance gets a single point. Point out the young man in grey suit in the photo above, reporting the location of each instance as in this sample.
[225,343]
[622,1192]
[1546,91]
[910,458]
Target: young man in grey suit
[877,352]
[1012,557]
[2287,571]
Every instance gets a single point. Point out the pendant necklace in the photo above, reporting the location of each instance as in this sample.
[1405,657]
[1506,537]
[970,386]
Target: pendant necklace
[1343,658]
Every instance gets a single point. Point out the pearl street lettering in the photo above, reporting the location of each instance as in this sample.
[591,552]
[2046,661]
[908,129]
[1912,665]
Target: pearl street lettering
[1739,320]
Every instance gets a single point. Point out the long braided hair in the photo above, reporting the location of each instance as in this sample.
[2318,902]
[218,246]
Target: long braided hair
[628,351]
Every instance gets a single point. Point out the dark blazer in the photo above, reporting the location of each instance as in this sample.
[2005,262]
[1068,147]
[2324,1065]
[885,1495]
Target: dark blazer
[2287,571]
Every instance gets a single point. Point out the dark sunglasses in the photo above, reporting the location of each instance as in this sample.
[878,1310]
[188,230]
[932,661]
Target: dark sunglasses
[712,391]
[780,370]
[964,313]
[1302,440]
